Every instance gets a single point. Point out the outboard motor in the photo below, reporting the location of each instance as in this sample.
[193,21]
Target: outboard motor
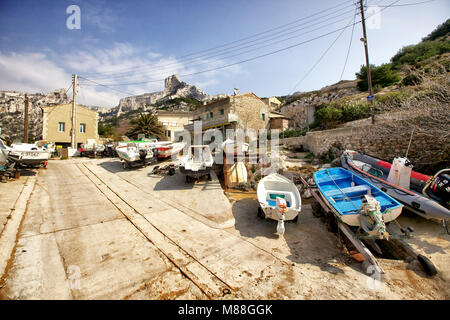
[371,218]
[142,155]
[439,189]
[281,211]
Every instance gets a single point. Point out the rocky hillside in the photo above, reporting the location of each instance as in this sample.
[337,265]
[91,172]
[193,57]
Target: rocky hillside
[12,107]
[393,82]
[172,95]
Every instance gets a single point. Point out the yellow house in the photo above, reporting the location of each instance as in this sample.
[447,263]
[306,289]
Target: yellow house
[173,122]
[273,103]
[57,124]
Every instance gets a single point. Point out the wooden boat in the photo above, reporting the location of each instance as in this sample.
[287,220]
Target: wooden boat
[279,199]
[426,196]
[236,173]
[356,202]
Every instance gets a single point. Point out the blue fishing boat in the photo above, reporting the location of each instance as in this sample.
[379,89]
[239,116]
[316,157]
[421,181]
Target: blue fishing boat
[356,202]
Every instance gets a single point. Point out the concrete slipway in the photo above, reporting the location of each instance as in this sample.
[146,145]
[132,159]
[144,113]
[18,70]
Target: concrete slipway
[87,229]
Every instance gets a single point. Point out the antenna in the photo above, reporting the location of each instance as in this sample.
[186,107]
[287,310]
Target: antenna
[409,144]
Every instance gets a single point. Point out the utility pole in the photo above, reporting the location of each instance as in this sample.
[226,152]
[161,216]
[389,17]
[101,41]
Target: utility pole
[74,111]
[369,75]
[25,129]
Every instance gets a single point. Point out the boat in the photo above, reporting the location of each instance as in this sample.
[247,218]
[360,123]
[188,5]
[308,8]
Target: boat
[134,155]
[230,146]
[91,148]
[279,199]
[236,173]
[356,202]
[27,154]
[426,196]
[198,161]
[166,150]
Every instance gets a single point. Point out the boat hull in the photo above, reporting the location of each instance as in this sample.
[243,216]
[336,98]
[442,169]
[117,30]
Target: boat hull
[342,191]
[273,186]
[414,201]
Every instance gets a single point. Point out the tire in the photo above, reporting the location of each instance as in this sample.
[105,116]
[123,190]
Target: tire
[260,213]
[427,265]
[295,219]
[317,210]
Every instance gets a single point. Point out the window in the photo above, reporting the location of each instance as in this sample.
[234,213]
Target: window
[211,115]
[207,116]
[174,123]
[263,117]
[61,126]
[165,123]
[83,127]
[222,111]
[168,133]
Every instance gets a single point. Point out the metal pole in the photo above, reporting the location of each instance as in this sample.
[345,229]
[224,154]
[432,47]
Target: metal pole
[74,111]
[25,131]
[409,144]
[369,75]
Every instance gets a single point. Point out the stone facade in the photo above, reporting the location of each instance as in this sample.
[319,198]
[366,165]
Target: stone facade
[243,111]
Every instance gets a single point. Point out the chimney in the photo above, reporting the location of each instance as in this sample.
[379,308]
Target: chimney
[236,91]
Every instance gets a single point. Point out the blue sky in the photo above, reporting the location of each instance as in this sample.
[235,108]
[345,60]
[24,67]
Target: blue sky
[38,53]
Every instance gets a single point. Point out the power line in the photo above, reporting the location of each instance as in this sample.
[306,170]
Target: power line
[260,47]
[348,50]
[229,50]
[323,55]
[409,4]
[242,39]
[242,61]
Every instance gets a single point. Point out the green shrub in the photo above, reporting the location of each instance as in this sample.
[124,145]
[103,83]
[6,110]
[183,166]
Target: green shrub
[382,76]
[412,55]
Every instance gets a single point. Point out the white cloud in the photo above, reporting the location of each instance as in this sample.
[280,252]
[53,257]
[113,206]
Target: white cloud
[145,70]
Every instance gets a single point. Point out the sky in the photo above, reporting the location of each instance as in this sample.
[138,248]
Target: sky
[271,48]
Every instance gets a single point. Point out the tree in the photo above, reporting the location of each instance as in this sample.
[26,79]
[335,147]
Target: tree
[147,124]
[382,75]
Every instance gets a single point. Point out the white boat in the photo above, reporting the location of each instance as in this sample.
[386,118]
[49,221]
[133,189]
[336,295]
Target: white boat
[27,154]
[133,154]
[231,146]
[166,150]
[279,199]
[198,161]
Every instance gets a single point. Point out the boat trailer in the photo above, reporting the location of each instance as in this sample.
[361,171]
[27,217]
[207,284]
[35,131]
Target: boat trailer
[396,245]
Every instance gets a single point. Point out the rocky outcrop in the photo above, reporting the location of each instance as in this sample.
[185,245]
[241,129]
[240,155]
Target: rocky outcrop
[12,107]
[173,88]
[303,104]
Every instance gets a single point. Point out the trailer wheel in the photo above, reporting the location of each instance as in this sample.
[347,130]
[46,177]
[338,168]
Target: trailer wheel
[260,213]
[427,265]
[317,210]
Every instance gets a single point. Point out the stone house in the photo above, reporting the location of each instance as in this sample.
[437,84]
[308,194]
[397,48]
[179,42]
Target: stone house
[243,111]
[173,122]
[57,124]
[278,121]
